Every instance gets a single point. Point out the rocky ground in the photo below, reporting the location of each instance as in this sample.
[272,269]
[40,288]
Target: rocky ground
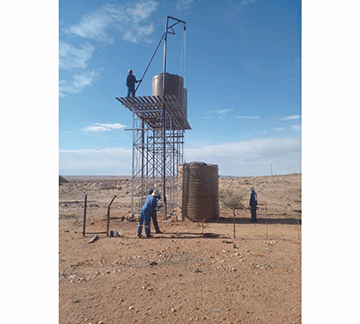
[192,272]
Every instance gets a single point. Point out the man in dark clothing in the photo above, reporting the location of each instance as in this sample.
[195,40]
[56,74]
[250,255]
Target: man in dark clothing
[148,207]
[253,205]
[153,216]
[130,83]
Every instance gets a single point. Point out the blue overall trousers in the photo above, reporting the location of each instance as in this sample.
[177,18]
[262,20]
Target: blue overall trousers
[148,207]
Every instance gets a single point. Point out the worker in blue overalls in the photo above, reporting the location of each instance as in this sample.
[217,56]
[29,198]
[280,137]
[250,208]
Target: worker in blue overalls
[130,83]
[153,216]
[148,207]
[253,205]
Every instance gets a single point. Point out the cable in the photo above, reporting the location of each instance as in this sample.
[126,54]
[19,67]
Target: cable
[184,55]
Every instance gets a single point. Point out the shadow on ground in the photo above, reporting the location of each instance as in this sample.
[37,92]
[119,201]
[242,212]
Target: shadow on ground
[271,221]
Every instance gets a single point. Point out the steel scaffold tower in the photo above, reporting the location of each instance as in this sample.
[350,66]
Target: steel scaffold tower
[159,124]
[148,163]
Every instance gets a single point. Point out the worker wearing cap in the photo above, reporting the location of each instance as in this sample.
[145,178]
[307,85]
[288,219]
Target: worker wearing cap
[130,83]
[148,207]
[253,205]
[153,216]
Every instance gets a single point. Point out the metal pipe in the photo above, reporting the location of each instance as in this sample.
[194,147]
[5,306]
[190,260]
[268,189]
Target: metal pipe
[164,117]
[149,62]
[133,168]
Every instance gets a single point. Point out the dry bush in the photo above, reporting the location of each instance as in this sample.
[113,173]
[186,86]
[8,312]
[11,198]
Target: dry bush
[232,199]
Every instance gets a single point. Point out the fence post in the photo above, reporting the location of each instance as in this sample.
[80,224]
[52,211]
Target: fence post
[108,217]
[84,215]
[267,233]
[234,221]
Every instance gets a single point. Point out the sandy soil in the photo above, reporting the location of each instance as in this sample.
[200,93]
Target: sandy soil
[192,272]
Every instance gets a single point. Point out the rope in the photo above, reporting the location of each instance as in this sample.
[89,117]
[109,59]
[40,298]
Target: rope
[184,55]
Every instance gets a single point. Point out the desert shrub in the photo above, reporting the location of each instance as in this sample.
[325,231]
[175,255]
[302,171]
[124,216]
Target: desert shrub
[233,199]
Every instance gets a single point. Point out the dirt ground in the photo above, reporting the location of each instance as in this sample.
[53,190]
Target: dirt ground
[192,272]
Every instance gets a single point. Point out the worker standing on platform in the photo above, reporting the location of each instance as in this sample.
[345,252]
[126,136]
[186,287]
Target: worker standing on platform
[148,207]
[130,83]
[253,205]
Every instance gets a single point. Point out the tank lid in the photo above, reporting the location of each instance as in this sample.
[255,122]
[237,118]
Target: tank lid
[199,164]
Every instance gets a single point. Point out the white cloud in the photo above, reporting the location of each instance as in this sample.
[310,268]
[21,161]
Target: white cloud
[247,117]
[127,19]
[108,161]
[72,58]
[246,2]
[250,157]
[291,117]
[103,127]
[136,34]
[78,83]
[296,127]
[184,4]
[220,111]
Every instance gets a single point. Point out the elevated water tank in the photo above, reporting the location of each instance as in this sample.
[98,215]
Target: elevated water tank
[198,195]
[174,86]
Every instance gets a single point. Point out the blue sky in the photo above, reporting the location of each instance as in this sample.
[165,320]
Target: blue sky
[241,61]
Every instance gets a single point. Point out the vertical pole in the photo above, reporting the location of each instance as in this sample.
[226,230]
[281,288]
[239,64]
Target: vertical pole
[234,221]
[164,118]
[133,165]
[84,215]
[266,222]
[108,222]
[142,161]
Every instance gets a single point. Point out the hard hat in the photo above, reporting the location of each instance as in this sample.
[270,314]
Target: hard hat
[155,193]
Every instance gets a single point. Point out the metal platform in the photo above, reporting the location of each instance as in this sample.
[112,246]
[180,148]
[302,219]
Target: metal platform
[150,110]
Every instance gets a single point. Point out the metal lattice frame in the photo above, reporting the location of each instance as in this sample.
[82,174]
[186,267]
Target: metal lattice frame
[159,124]
[148,163]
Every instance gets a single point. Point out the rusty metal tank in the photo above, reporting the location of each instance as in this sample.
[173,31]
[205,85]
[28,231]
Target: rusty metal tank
[174,86]
[198,195]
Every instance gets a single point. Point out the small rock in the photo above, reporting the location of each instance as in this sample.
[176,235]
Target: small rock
[95,238]
[131,307]
[197,270]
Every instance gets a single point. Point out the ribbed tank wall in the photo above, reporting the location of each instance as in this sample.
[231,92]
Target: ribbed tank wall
[174,86]
[199,191]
